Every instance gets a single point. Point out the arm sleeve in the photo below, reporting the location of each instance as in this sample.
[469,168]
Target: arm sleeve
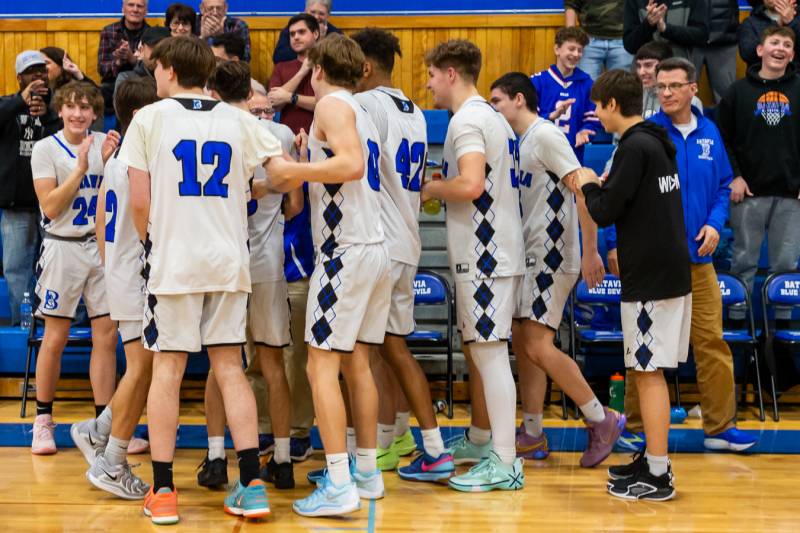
[607,203]
[726,120]
[636,32]
[133,151]
[42,164]
[11,106]
[695,33]
[748,41]
[719,209]
[283,50]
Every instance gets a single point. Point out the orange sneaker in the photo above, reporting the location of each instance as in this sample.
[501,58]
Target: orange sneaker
[162,506]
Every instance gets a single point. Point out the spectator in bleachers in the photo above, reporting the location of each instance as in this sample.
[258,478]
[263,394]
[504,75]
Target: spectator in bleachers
[61,69]
[682,24]
[25,117]
[765,14]
[214,20]
[704,174]
[228,47]
[290,88]
[144,67]
[602,21]
[758,120]
[564,90]
[181,20]
[320,10]
[260,106]
[118,44]
[718,54]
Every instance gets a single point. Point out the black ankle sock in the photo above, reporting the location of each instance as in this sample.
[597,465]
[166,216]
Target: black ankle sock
[162,475]
[98,409]
[248,465]
[44,408]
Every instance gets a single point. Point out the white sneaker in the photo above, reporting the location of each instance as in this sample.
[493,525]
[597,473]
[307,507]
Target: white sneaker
[329,500]
[43,441]
[88,440]
[118,479]
[370,486]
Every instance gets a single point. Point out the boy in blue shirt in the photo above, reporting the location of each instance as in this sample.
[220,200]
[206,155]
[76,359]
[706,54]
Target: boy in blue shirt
[564,90]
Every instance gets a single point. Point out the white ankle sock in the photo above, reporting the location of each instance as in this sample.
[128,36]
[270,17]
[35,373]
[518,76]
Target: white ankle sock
[351,441]
[366,460]
[479,436]
[401,423]
[533,423]
[659,465]
[103,422]
[216,448]
[338,468]
[432,442]
[281,453]
[491,358]
[593,411]
[385,435]
[116,451]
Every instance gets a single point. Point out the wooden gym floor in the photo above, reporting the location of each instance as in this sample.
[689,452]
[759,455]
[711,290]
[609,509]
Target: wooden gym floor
[716,493]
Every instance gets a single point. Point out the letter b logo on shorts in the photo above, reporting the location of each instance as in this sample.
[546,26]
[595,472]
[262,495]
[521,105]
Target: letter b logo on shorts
[50,300]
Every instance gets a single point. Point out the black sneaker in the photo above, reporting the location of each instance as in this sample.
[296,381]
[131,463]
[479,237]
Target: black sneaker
[213,474]
[279,474]
[644,486]
[629,470]
[300,448]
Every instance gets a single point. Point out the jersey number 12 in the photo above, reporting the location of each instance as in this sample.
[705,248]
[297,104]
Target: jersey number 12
[211,153]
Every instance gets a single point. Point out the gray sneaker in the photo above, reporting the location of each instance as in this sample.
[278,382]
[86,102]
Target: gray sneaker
[118,480]
[88,440]
[602,437]
[464,452]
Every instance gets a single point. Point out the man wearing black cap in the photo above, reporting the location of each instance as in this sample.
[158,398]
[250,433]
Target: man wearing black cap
[144,68]
[25,117]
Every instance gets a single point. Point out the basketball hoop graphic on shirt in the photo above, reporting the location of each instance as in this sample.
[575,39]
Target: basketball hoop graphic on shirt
[773,106]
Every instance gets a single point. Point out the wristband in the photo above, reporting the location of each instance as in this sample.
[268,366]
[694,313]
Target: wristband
[294,99]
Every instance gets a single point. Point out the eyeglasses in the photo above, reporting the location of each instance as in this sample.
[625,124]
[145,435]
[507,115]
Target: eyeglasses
[674,86]
[179,23]
[262,111]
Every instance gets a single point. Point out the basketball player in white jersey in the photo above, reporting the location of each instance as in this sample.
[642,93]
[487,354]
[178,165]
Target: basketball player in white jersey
[105,445]
[550,218]
[485,247]
[348,305]
[268,311]
[190,159]
[403,136]
[67,172]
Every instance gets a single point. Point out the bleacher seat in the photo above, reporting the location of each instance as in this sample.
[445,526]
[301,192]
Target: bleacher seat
[437,121]
[781,289]
[595,156]
[431,289]
[5,305]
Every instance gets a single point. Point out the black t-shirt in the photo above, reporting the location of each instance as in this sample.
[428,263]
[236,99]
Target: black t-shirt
[642,197]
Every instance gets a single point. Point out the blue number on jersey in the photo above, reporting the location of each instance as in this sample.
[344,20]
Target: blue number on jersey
[111,215]
[85,210]
[513,149]
[373,172]
[406,155]
[212,152]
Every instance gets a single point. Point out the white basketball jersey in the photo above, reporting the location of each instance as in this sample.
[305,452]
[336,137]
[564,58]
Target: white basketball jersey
[123,249]
[549,215]
[54,157]
[344,214]
[404,149]
[484,236]
[265,221]
[200,154]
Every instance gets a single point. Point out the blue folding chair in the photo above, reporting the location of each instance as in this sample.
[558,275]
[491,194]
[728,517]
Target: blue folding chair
[735,295]
[779,289]
[78,338]
[431,289]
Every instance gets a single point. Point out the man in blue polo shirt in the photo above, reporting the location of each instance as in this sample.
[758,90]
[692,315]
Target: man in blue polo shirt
[705,175]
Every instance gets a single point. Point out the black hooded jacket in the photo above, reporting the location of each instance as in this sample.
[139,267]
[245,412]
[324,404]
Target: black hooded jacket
[758,120]
[750,34]
[642,197]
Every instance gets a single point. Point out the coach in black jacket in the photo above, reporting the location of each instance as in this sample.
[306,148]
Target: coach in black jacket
[25,117]
[681,23]
[719,52]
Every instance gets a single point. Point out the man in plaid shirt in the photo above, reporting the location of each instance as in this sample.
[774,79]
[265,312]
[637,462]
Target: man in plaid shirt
[118,44]
[214,21]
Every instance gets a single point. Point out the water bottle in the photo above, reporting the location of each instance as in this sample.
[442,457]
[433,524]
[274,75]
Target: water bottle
[677,415]
[26,312]
[432,206]
[439,406]
[616,393]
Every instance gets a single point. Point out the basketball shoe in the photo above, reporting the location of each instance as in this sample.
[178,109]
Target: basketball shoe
[162,506]
[427,468]
[490,474]
[43,442]
[642,485]
[529,447]
[370,485]
[602,437]
[250,501]
[465,452]
[88,440]
[329,500]
[117,479]
[387,459]
[404,445]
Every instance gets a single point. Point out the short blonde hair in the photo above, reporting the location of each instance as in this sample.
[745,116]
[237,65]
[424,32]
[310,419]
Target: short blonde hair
[340,58]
